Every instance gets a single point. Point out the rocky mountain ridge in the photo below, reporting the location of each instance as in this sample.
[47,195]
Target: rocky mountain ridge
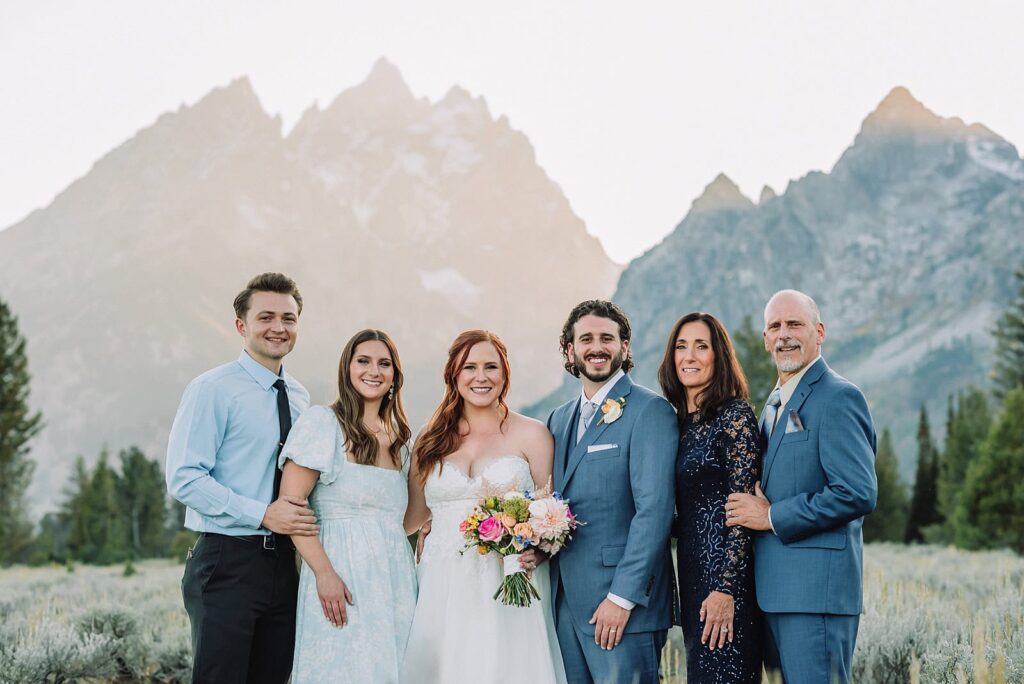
[421,218]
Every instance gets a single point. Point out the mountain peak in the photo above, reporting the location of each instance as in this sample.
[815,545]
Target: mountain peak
[385,72]
[237,96]
[719,195]
[900,112]
[767,193]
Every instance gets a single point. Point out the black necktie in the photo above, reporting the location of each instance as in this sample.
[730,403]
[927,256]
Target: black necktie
[284,418]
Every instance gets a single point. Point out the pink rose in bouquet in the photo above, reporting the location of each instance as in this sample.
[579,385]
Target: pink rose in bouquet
[491,529]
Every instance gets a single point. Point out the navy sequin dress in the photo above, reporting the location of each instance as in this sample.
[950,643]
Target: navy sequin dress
[717,457]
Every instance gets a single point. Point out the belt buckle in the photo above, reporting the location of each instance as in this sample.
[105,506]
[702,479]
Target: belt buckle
[269,542]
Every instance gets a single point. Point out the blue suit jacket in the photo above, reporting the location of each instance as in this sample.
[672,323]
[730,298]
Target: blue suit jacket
[821,482]
[625,493]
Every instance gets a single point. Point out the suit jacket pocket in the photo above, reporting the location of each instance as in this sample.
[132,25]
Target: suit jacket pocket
[833,539]
[611,555]
[602,454]
[791,437]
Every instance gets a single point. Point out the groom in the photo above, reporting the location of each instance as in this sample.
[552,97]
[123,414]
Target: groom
[615,450]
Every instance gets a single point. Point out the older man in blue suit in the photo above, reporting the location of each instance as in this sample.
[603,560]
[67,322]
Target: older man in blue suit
[615,449]
[817,484]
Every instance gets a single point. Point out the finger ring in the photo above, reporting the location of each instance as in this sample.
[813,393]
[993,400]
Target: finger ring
[725,629]
[613,630]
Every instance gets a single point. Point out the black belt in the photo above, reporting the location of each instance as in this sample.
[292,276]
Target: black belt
[269,542]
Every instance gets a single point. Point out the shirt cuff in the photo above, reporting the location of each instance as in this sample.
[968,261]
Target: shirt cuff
[770,521]
[621,602]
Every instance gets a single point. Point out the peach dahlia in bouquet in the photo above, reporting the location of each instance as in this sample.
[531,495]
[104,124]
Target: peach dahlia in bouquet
[512,522]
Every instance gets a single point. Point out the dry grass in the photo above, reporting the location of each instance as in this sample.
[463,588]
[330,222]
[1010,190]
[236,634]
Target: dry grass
[934,615]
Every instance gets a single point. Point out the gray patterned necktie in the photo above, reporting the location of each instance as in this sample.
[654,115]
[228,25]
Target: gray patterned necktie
[771,413]
[587,410]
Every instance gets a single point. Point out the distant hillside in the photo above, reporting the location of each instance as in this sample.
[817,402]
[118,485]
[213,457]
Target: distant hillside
[908,244]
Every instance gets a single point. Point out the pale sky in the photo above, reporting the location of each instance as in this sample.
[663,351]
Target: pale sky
[632,108]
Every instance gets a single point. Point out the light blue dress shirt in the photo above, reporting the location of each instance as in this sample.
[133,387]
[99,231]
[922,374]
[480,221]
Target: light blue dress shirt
[222,451]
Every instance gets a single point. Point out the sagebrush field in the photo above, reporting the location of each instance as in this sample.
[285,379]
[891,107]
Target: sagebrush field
[932,615]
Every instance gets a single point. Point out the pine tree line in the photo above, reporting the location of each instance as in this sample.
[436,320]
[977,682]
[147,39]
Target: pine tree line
[970,493]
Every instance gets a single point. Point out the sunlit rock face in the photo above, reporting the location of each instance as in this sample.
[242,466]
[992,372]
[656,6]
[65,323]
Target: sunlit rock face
[908,244]
[421,218]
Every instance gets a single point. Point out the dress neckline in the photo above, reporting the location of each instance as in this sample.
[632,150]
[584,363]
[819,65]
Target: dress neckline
[489,463]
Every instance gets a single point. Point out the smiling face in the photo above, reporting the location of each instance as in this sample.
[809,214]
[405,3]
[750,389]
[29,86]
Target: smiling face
[270,328]
[596,349]
[480,380]
[792,333]
[694,359]
[371,370]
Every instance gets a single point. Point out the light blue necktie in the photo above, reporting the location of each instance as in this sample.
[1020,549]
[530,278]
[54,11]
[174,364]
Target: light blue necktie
[771,413]
[587,411]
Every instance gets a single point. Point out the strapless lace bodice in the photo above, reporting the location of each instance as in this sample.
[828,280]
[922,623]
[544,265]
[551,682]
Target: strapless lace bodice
[451,495]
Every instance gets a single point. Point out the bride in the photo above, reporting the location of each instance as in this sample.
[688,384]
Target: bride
[474,443]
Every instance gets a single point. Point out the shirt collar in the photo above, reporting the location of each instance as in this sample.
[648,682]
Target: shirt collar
[789,387]
[605,389]
[260,373]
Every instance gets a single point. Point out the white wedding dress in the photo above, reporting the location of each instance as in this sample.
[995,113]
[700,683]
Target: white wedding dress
[460,634]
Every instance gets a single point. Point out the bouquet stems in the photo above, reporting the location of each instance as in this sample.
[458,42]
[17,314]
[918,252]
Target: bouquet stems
[516,590]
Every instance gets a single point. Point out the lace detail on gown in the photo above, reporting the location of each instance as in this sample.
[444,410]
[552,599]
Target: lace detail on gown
[460,633]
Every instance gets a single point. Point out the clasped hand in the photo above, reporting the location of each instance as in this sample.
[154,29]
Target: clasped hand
[291,515]
[748,510]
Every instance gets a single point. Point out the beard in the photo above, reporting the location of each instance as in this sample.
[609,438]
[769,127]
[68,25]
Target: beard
[614,364]
[790,365]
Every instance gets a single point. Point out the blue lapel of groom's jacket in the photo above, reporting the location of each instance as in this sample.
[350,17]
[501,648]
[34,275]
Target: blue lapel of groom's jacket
[565,438]
[803,390]
[576,453]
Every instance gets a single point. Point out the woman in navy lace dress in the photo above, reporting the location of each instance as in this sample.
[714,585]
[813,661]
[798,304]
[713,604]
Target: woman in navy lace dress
[719,453]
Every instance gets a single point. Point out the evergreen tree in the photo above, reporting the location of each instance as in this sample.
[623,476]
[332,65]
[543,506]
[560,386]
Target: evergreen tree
[990,510]
[107,523]
[18,425]
[924,510]
[756,362]
[967,426]
[888,522]
[74,513]
[1008,372]
[143,497]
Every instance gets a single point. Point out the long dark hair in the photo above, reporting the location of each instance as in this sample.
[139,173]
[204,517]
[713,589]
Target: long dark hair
[727,378]
[441,435]
[348,407]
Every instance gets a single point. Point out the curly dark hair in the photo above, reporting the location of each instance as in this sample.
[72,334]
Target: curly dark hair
[595,307]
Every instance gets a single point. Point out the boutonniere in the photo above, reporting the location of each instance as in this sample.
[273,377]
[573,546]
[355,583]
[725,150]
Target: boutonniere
[612,410]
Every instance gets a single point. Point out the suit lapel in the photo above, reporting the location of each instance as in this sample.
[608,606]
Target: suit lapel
[564,440]
[803,390]
[577,452]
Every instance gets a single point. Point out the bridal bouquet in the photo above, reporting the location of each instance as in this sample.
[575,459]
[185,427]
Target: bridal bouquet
[512,522]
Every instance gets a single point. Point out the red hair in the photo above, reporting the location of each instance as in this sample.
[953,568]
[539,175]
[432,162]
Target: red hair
[441,435]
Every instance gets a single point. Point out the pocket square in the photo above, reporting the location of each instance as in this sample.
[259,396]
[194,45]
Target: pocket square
[794,424]
[600,447]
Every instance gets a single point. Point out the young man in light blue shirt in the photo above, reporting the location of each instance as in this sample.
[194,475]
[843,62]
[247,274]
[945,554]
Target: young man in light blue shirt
[240,579]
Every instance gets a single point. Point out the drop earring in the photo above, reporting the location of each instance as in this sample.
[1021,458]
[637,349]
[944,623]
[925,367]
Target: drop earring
[391,391]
